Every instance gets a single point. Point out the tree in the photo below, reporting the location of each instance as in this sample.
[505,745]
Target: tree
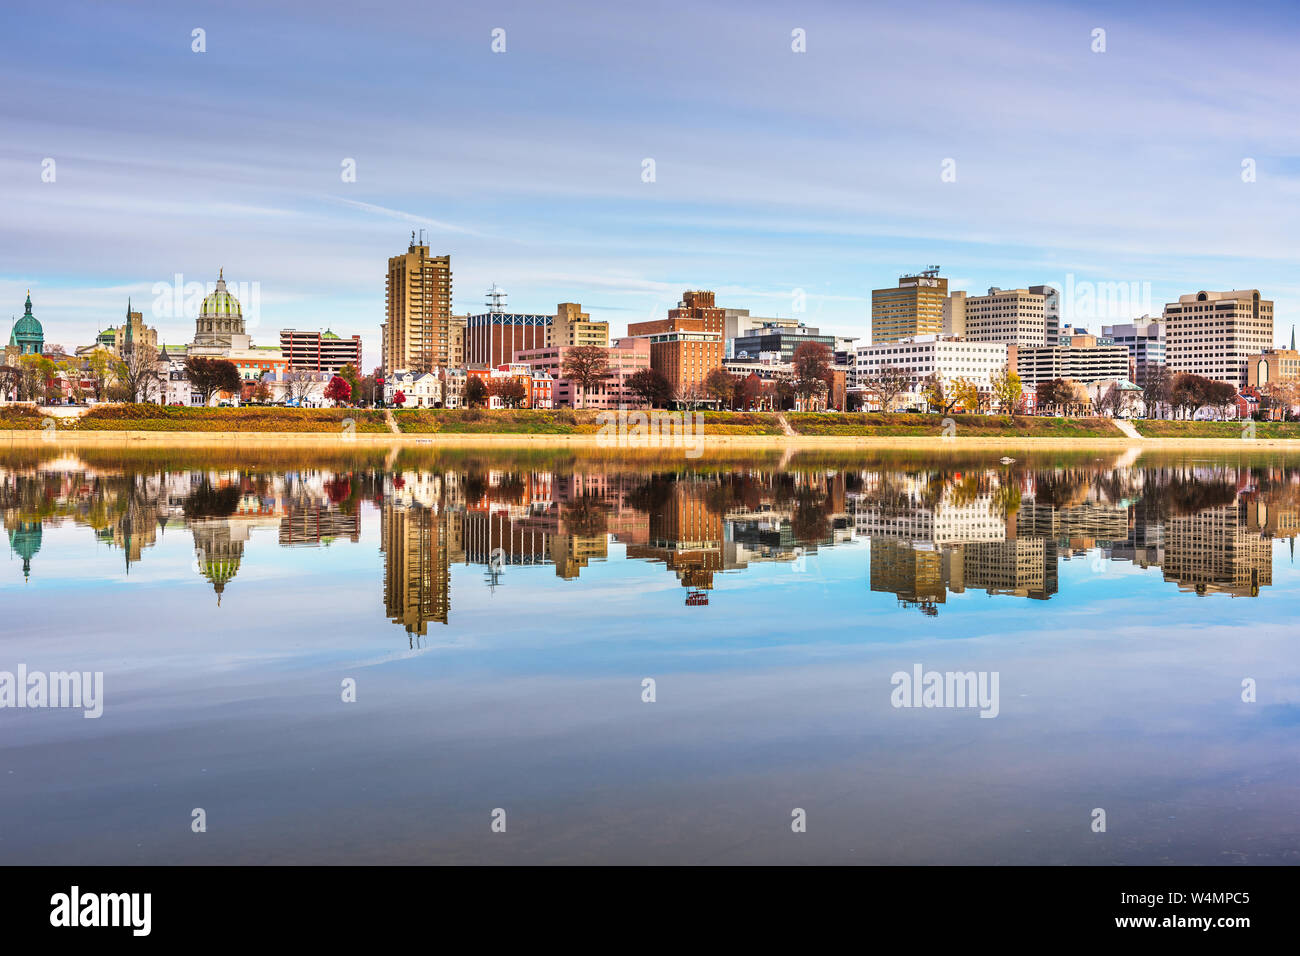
[338,390]
[100,368]
[209,376]
[1110,402]
[721,384]
[475,392]
[1057,393]
[349,375]
[748,392]
[651,386]
[510,392]
[1156,389]
[586,366]
[812,364]
[967,394]
[298,385]
[139,372]
[399,398]
[262,393]
[890,382]
[937,394]
[1007,390]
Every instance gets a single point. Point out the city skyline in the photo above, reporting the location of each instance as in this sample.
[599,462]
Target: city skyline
[775,171]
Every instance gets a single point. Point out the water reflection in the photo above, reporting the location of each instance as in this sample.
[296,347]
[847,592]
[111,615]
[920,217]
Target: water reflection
[932,530]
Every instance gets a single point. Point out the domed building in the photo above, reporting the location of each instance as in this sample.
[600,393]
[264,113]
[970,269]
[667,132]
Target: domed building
[27,336]
[221,320]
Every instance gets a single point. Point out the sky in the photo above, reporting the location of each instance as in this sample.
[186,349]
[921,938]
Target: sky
[790,183]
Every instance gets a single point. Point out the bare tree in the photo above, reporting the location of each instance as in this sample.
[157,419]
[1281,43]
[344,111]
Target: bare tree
[586,366]
[139,373]
[890,382]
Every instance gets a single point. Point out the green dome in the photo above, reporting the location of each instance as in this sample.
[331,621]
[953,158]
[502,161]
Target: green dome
[219,302]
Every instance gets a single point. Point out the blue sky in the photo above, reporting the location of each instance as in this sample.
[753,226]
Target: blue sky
[775,171]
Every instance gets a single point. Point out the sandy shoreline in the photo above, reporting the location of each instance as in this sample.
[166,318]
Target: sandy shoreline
[524,440]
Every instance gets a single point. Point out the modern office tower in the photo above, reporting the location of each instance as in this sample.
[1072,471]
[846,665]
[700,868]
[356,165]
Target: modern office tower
[687,345]
[573,327]
[1011,316]
[319,351]
[1212,333]
[738,322]
[1145,341]
[915,308]
[1051,309]
[1084,360]
[493,337]
[777,343]
[417,335]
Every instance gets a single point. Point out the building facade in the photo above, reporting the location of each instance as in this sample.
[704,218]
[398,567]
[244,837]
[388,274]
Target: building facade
[1084,360]
[778,343]
[947,357]
[319,351]
[625,357]
[687,345]
[1272,366]
[1010,316]
[1212,333]
[573,327]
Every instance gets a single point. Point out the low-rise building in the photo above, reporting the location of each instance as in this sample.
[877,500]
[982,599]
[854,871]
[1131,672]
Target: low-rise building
[320,351]
[624,357]
[949,358]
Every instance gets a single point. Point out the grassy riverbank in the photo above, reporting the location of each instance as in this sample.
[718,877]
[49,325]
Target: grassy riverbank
[563,421]
[1263,430]
[873,424]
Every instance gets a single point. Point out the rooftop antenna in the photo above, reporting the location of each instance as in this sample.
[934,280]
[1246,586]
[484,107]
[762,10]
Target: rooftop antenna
[496,302]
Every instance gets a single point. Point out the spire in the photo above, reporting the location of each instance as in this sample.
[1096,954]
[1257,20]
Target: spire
[1292,338]
[221,272]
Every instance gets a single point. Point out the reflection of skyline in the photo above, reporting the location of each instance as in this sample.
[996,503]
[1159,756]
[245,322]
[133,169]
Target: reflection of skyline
[931,531]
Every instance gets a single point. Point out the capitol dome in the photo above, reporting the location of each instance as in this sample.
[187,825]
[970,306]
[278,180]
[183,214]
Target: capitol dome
[220,317]
[28,336]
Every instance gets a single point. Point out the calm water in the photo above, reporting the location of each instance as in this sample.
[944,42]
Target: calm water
[500,612]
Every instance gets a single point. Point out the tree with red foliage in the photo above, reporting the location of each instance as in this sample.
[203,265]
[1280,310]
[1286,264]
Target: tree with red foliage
[338,390]
[399,398]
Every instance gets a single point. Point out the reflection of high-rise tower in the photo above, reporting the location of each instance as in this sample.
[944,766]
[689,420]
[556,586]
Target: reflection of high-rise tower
[1213,550]
[417,573]
[915,575]
[686,535]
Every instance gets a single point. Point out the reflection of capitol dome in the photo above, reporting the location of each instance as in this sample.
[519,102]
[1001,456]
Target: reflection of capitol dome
[220,316]
[217,555]
[25,540]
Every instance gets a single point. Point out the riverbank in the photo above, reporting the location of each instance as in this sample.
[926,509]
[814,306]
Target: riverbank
[250,426]
[316,440]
